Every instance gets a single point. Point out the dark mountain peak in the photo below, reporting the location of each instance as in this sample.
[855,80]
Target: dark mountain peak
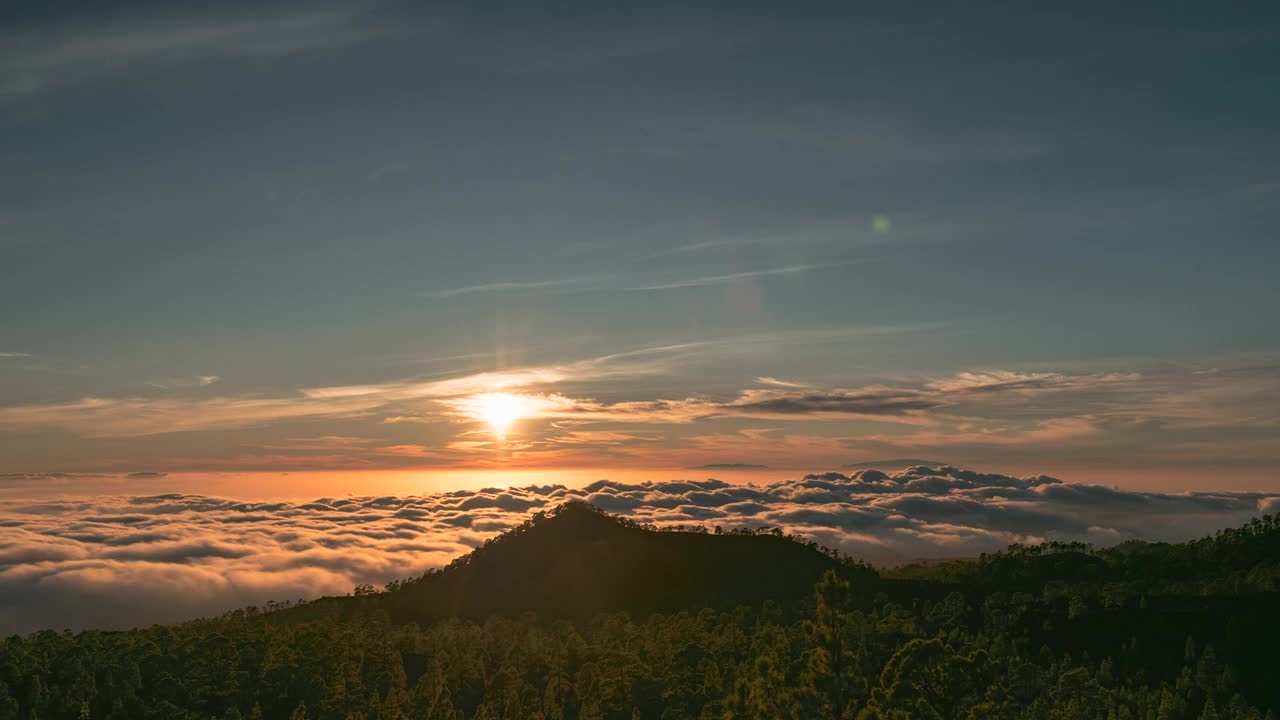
[576,560]
[577,516]
[729,466]
[893,464]
[563,526]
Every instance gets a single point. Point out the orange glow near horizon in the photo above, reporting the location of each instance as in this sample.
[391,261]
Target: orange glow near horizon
[307,485]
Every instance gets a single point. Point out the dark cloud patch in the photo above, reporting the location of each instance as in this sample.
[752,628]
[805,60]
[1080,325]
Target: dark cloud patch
[176,552]
[130,539]
[832,517]
[118,561]
[44,479]
[886,402]
[949,509]
[118,519]
[745,508]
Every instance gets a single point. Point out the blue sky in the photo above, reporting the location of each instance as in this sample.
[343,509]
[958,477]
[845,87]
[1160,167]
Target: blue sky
[1051,234]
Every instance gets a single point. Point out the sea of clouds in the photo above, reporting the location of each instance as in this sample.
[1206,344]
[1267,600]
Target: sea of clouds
[110,562]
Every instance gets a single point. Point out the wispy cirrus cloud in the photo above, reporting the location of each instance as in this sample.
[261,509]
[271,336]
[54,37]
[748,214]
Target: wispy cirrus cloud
[195,381]
[45,58]
[1039,432]
[725,278]
[766,380]
[975,416]
[788,401]
[995,381]
[513,286]
[139,416]
[609,283]
[9,355]
[875,402]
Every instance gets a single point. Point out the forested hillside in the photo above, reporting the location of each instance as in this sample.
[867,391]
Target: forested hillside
[577,615]
[577,562]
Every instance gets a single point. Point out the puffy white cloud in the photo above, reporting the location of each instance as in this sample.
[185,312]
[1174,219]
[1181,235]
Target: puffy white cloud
[119,561]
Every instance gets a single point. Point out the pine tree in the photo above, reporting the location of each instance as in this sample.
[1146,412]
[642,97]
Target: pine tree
[830,658]
[1170,707]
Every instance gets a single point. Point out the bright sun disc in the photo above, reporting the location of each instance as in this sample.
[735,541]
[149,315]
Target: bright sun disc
[500,410]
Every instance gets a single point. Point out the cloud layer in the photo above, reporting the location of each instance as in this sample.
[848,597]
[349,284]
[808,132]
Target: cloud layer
[119,561]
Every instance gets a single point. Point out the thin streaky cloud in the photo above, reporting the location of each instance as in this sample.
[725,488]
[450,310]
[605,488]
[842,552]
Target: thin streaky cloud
[513,286]
[8,355]
[140,416]
[186,382]
[1124,396]
[133,416]
[720,279]
[844,231]
[53,57]
[922,404]
[605,282]
[672,349]
[766,380]
[690,248]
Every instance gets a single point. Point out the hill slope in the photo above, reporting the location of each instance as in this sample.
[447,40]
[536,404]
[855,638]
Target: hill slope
[577,561]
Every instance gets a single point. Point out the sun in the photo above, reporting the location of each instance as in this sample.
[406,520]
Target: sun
[500,410]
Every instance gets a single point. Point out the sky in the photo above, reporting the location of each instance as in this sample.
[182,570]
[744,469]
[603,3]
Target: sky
[344,239]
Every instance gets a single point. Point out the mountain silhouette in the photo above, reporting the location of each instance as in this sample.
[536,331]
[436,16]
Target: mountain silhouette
[892,464]
[577,561]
